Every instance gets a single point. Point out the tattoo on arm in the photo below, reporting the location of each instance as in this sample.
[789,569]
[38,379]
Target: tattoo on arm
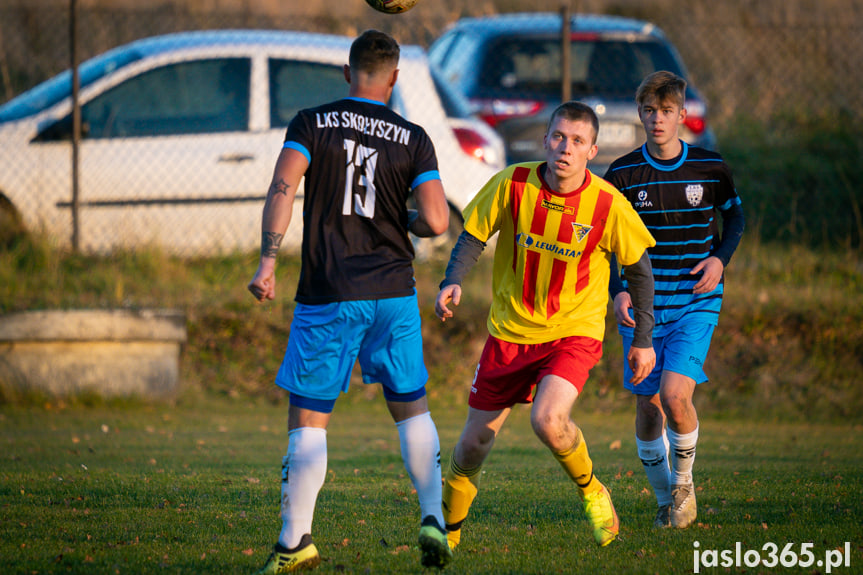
[280,187]
[270,243]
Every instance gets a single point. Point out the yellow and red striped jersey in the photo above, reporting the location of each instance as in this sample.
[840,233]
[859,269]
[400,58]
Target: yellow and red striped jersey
[551,263]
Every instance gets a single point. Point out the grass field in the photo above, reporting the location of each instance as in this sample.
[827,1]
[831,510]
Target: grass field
[93,486]
[193,488]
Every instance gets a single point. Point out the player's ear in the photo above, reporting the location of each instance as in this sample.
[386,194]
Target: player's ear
[682,117]
[347,72]
[394,77]
[594,149]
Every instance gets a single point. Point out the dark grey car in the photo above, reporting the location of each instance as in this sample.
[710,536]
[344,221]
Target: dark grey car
[509,67]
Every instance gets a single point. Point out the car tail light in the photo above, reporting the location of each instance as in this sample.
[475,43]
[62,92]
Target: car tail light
[494,111]
[695,121]
[474,144]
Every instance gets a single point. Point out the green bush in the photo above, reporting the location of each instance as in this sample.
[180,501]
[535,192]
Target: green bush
[801,179]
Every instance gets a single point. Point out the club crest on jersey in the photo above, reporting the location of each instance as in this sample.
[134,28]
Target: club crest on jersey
[694,192]
[581,230]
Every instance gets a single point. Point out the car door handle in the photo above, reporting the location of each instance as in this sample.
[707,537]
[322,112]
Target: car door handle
[236,158]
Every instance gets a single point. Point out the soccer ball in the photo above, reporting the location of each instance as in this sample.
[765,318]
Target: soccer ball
[392,6]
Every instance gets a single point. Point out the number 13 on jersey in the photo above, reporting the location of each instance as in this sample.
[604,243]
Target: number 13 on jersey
[365,159]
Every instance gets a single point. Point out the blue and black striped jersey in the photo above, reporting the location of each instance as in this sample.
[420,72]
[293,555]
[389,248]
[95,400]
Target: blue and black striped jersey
[678,201]
[364,161]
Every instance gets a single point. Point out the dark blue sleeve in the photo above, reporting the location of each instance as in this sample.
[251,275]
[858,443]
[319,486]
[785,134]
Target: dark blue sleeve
[733,222]
[464,256]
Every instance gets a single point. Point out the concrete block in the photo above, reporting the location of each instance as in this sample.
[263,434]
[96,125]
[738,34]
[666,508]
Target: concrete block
[109,353]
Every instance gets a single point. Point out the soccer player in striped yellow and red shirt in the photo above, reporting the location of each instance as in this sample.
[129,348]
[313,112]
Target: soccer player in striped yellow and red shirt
[557,227]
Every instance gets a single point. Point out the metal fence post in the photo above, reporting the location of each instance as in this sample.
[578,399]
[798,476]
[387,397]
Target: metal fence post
[76,122]
[565,52]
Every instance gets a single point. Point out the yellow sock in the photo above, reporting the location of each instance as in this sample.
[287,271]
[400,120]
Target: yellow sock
[459,490]
[578,465]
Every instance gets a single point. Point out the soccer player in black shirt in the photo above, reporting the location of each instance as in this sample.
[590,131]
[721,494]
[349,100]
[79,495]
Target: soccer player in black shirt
[678,190]
[356,297]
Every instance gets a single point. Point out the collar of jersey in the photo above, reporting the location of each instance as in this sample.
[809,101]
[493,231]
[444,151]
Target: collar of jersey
[366,100]
[661,166]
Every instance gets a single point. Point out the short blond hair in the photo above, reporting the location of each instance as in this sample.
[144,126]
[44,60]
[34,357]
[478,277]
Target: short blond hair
[664,86]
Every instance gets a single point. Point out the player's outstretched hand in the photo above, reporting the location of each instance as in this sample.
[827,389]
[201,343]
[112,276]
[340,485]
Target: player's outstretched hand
[641,362]
[263,285]
[712,269]
[450,293]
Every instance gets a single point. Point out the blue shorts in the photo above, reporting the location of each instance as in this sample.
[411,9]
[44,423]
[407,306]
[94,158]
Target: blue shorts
[682,350]
[326,340]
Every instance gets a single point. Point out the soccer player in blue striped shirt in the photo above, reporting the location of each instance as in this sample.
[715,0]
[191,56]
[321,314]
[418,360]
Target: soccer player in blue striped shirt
[678,190]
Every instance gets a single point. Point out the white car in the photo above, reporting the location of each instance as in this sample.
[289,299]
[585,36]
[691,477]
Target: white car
[181,133]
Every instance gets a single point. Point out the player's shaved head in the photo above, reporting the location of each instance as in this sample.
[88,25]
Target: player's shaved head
[575,112]
[374,51]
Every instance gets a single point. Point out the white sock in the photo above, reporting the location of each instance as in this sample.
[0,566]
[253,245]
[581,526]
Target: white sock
[420,448]
[667,445]
[654,458]
[304,470]
[682,449]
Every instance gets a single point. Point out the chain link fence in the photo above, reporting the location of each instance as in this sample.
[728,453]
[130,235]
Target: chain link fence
[192,181]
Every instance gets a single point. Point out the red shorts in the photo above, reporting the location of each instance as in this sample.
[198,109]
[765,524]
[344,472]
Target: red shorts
[507,373]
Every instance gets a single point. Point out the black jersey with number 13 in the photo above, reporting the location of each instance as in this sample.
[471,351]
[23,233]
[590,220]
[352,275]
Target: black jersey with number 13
[364,160]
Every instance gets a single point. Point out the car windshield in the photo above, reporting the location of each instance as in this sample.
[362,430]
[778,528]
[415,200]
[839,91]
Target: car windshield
[59,87]
[531,67]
